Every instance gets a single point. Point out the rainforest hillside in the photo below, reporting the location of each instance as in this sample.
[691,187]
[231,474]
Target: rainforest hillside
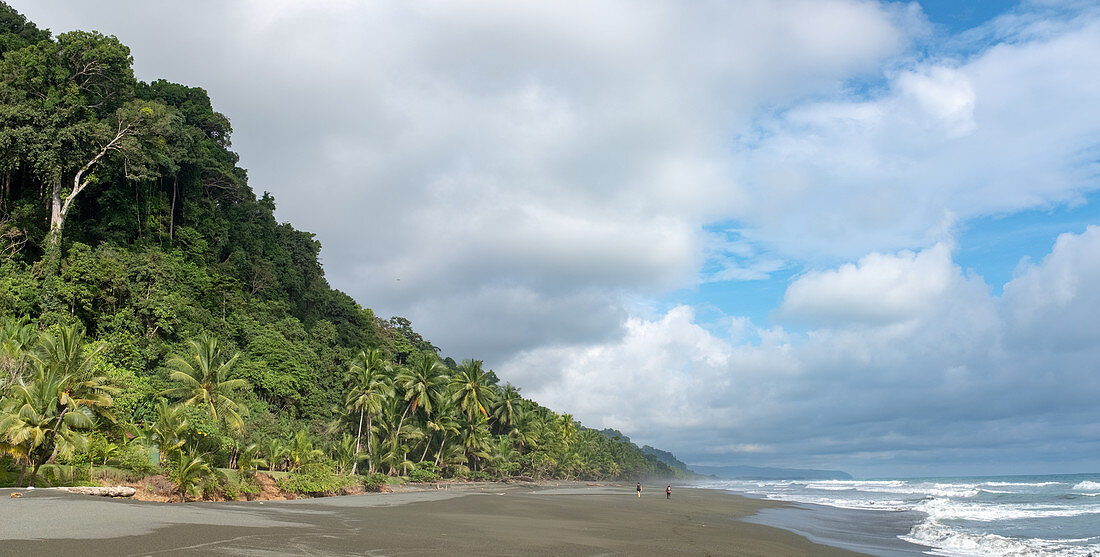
[152,304]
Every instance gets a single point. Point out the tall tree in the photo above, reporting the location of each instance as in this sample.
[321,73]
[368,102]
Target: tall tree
[507,407]
[423,382]
[205,382]
[370,386]
[472,388]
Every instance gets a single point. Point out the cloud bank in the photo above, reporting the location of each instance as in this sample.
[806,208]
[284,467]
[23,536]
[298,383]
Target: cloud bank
[913,367]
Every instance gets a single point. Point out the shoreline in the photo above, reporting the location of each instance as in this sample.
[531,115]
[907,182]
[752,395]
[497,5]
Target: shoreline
[873,532]
[486,519]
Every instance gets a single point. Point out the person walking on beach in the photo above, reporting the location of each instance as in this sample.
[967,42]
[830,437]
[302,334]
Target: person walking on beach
[668,492]
[639,489]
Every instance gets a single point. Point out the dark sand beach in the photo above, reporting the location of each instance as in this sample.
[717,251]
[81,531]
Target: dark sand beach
[488,519]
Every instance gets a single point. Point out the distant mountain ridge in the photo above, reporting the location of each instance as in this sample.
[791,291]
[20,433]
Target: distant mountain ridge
[665,457]
[762,473]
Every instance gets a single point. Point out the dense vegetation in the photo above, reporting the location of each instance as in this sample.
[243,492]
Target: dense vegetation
[156,317]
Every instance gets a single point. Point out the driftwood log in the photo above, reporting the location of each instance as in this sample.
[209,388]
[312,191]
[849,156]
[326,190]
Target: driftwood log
[115,491]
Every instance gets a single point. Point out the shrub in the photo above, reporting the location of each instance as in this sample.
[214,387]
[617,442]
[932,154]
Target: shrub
[375,481]
[249,487]
[421,476]
[232,491]
[314,479]
[135,459]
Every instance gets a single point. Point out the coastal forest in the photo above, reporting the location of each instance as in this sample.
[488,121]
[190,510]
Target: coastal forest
[157,320]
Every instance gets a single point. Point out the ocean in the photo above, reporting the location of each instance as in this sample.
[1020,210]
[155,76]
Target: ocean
[1055,516]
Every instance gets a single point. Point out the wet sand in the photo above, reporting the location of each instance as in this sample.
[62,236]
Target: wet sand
[482,520]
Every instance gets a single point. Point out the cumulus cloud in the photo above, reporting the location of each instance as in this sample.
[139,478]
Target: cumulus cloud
[879,289]
[942,140]
[940,372]
[1052,305]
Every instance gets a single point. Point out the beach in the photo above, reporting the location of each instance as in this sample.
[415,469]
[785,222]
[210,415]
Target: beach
[486,519]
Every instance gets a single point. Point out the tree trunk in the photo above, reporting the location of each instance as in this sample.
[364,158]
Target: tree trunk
[172,211]
[59,209]
[34,472]
[370,446]
[4,192]
[358,442]
[427,444]
[439,455]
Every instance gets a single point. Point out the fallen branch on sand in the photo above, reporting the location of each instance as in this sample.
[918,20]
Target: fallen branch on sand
[113,491]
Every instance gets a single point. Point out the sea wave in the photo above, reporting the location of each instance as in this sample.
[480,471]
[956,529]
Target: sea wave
[964,517]
[1020,484]
[945,509]
[900,488]
[946,540]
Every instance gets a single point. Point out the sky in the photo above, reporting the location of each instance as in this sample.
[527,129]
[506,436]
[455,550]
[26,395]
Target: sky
[833,234]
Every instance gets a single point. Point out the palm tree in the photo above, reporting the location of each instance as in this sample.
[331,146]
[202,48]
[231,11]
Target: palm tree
[204,378]
[40,420]
[526,431]
[475,437]
[249,461]
[566,429]
[472,388]
[370,386]
[504,458]
[17,338]
[508,407]
[443,422]
[168,432]
[64,352]
[423,383]
[190,470]
[301,450]
[347,453]
[275,451]
[392,434]
[62,355]
[453,459]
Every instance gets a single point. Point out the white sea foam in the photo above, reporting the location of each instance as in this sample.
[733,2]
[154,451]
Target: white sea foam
[900,488]
[1020,484]
[968,517]
[950,541]
[946,509]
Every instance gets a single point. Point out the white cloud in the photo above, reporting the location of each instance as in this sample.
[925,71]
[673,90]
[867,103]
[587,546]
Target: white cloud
[1012,127]
[1054,304]
[940,372]
[880,289]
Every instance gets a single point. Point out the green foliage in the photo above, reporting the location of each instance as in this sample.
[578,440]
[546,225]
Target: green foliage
[204,381]
[315,478]
[190,472]
[134,458]
[425,472]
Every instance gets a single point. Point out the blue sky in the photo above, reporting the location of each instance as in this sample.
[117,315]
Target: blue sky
[835,234]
